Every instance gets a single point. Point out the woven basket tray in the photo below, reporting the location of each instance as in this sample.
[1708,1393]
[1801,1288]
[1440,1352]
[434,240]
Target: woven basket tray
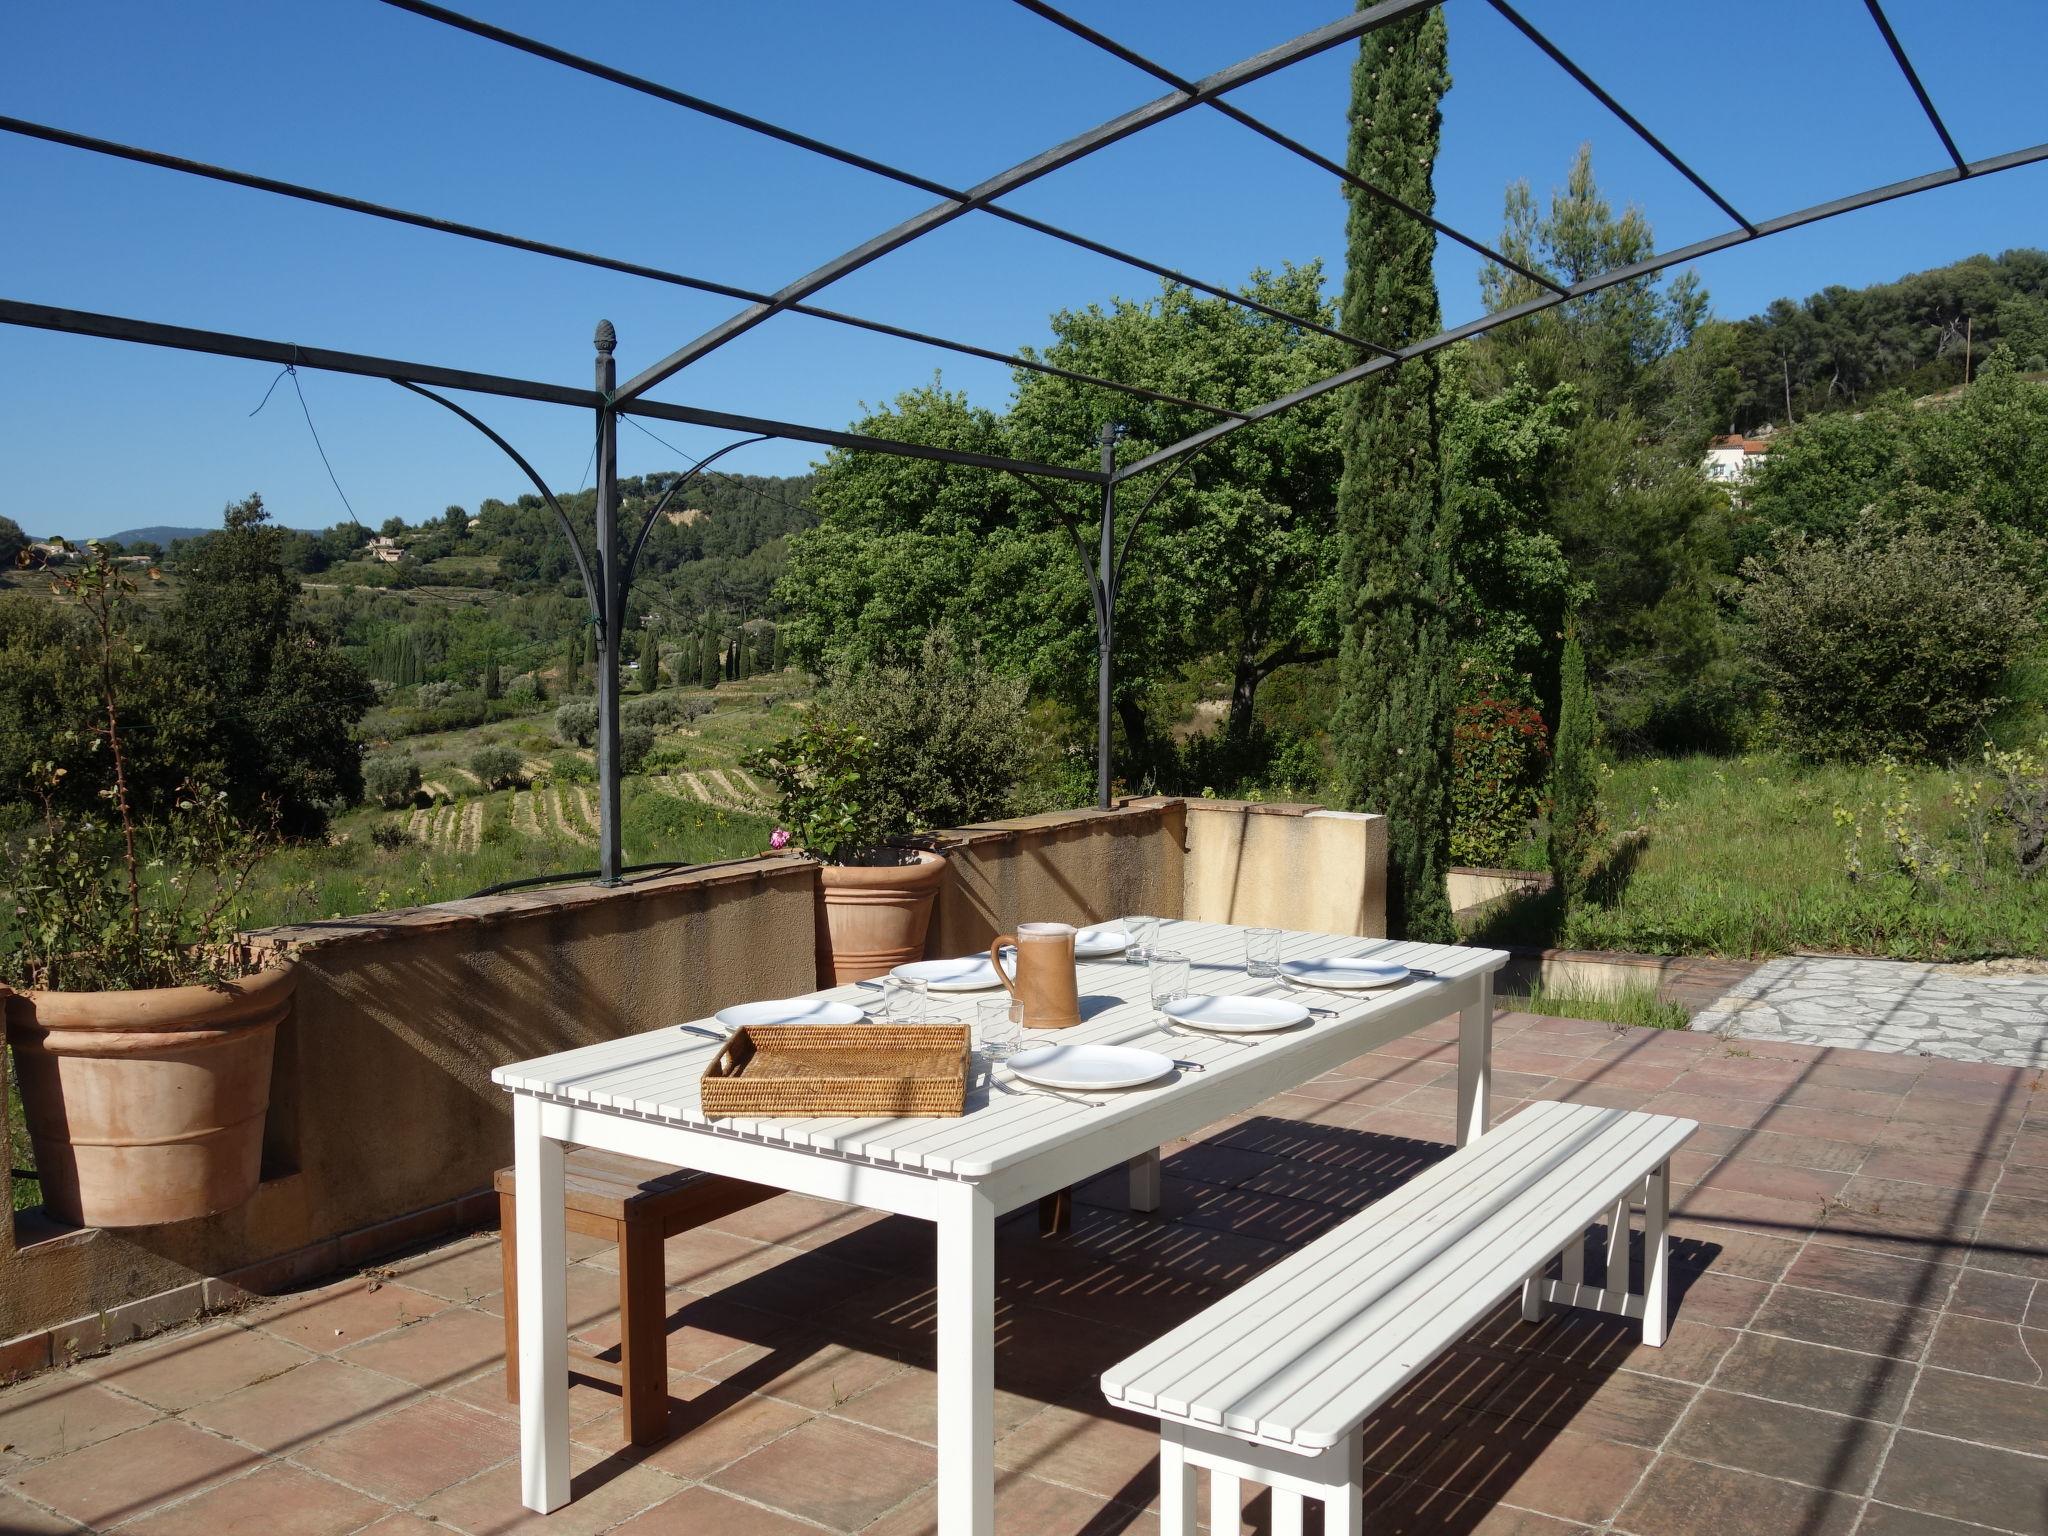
[775,1070]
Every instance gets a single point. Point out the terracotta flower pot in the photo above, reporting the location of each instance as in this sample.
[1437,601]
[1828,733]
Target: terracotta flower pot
[873,917]
[148,1106]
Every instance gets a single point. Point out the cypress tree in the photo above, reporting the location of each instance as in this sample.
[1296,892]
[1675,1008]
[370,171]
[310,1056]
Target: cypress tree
[572,662]
[707,661]
[491,685]
[650,661]
[1574,782]
[746,655]
[775,656]
[1397,664]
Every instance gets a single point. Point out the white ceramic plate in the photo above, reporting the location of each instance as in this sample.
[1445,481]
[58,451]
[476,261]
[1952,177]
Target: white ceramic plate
[1089,1066]
[1102,940]
[1347,973]
[790,1010]
[1235,1015]
[968,973]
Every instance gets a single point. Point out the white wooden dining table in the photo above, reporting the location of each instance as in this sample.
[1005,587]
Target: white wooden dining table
[1014,1144]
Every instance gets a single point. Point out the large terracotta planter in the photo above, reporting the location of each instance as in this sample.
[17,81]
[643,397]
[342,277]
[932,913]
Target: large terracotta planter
[148,1106]
[873,917]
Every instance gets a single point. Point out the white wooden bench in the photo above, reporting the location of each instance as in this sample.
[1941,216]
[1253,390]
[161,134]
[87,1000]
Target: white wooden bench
[1272,1383]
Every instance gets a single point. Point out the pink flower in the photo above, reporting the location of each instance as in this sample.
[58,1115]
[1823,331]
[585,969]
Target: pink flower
[779,838]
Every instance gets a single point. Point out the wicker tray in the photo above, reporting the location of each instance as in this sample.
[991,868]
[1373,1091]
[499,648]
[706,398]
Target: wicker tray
[775,1070]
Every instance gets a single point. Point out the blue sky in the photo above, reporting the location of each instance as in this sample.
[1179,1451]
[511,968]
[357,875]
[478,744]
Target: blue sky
[1780,105]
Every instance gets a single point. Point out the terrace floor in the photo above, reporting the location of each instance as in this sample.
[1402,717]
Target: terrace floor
[1860,1257]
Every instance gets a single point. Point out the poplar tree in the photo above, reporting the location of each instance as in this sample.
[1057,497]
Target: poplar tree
[1398,662]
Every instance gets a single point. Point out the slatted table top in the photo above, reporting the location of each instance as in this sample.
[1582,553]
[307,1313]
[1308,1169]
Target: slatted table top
[655,1075]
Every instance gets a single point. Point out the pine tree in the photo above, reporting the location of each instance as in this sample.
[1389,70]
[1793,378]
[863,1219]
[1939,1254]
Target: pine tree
[1574,783]
[1398,663]
[491,686]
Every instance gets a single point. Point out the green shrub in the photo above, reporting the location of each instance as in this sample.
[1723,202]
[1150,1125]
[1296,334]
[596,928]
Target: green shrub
[1500,754]
[390,834]
[834,804]
[498,766]
[635,742]
[1891,639]
[950,737]
[576,722]
[1576,830]
[392,780]
[667,756]
[570,768]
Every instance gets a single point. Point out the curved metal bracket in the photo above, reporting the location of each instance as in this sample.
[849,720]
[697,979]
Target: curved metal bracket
[633,557]
[591,590]
[1123,556]
[1067,521]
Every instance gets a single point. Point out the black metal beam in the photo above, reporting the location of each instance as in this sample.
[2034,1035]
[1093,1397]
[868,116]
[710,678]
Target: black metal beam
[954,196]
[78,322]
[1236,114]
[1563,61]
[1891,41]
[982,195]
[270,184]
[1854,202]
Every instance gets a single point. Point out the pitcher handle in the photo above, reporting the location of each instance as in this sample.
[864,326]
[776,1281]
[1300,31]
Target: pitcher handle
[995,958]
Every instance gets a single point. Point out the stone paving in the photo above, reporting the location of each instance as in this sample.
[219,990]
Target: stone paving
[1860,1263]
[1888,1005]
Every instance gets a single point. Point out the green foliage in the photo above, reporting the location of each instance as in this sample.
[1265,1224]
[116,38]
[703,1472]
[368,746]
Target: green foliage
[492,688]
[1891,639]
[576,722]
[1577,831]
[286,700]
[1396,529]
[392,779]
[12,542]
[831,802]
[707,661]
[571,768]
[498,766]
[650,662]
[1636,1007]
[390,834]
[1500,755]
[950,737]
[635,742]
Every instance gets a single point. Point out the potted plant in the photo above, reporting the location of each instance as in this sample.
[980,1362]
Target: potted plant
[875,887]
[142,1025]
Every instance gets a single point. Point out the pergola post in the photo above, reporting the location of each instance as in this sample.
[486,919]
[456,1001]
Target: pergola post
[611,604]
[1105,612]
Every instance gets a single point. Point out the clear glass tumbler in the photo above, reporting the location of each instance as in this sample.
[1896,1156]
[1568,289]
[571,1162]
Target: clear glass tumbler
[905,1000]
[1262,951]
[997,1030]
[1142,931]
[1169,975]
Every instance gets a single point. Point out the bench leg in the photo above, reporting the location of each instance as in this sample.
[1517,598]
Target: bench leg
[1176,1485]
[1286,1506]
[1656,1257]
[1226,1504]
[643,1333]
[1145,1181]
[1617,1246]
[1344,1509]
[1056,1213]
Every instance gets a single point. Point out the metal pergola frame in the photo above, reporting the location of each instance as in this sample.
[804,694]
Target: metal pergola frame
[606,571]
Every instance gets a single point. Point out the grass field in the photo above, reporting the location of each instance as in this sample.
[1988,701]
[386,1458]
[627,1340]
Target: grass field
[1744,856]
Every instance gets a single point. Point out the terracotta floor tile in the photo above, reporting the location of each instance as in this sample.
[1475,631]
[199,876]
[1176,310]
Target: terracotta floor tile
[835,1473]
[404,1525]
[1965,1482]
[130,1474]
[18,1517]
[1985,1348]
[307,1403]
[2004,1298]
[588,1400]
[438,1352]
[348,1312]
[1989,1412]
[194,1367]
[1837,1380]
[707,1512]
[1029,1504]
[461,1273]
[415,1450]
[710,1425]
[1689,1498]
[1553,1472]
[57,1413]
[1799,1445]
[274,1500]
[1890,1520]
[1826,1266]
[603,1492]
[2013,1237]
[907,1404]
[1622,1406]
[1087,1445]
[1846,1322]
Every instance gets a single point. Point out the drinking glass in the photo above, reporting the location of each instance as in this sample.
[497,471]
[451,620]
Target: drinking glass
[1141,930]
[1169,976]
[905,1000]
[996,1028]
[1262,951]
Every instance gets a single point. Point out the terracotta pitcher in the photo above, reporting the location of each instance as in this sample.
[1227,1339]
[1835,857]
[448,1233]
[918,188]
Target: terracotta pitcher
[1045,986]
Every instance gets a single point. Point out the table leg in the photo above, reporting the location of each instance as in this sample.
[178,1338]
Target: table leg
[1145,1181]
[967,1361]
[542,1239]
[1475,1063]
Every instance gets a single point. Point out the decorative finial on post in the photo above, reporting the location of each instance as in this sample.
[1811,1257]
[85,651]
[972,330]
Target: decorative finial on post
[607,338]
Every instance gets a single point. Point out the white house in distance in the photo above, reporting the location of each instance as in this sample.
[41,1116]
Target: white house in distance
[385,551]
[1734,458]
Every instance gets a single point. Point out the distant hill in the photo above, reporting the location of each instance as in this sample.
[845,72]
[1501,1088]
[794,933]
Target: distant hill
[166,536]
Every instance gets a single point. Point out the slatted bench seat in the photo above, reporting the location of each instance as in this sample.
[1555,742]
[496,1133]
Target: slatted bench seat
[1273,1382]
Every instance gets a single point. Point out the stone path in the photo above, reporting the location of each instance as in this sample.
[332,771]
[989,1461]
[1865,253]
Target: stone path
[1888,1005]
